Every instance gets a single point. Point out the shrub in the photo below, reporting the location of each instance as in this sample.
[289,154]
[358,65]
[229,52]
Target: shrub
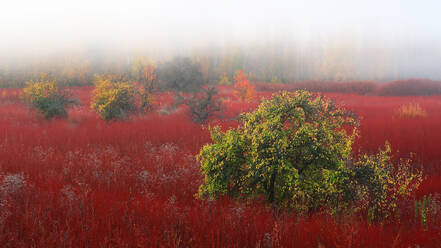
[202,105]
[242,88]
[411,110]
[380,185]
[47,98]
[292,150]
[113,100]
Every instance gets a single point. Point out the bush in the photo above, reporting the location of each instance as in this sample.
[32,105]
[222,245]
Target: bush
[181,74]
[113,100]
[202,105]
[380,185]
[47,98]
[411,110]
[292,150]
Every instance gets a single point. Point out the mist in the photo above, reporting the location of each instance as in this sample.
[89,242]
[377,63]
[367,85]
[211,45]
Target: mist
[297,40]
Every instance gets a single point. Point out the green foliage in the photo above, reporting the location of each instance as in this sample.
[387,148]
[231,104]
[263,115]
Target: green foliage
[113,100]
[202,105]
[181,74]
[295,151]
[47,98]
[380,185]
[292,150]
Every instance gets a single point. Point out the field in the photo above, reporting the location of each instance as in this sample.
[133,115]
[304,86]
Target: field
[82,182]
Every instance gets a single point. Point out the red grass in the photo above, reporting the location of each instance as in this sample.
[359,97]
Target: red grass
[82,182]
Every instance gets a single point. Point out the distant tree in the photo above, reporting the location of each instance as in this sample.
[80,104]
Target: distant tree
[137,68]
[242,88]
[181,75]
[148,85]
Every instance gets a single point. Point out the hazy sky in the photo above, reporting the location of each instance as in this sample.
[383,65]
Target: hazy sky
[47,23]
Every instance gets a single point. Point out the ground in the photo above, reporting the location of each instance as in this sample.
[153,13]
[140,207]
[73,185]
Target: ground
[82,182]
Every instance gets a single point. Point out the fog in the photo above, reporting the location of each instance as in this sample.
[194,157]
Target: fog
[322,39]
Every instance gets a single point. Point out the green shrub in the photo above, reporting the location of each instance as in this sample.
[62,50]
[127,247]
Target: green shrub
[292,150]
[47,98]
[113,100]
[380,185]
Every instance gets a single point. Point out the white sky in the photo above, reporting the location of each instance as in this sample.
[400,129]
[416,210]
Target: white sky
[37,23]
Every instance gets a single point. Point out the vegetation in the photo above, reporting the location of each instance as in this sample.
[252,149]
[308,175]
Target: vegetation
[181,75]
[113,100]
[202,105]
[224,80]
[411,110]
[46,97]
[294,150]
[380,185]
[149,85]
[242,88]
[132,184]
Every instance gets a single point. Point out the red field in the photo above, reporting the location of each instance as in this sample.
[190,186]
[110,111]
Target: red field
[80,182]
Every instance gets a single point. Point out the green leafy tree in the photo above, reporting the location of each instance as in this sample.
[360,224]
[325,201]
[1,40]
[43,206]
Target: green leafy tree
[47,98]
[291,150]
[113,100]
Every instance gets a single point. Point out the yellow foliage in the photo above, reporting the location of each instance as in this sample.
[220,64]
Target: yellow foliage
[113,100]
[43,89]
[411,110]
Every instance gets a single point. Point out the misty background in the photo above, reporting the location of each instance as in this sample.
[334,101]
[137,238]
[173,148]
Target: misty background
[279,41]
